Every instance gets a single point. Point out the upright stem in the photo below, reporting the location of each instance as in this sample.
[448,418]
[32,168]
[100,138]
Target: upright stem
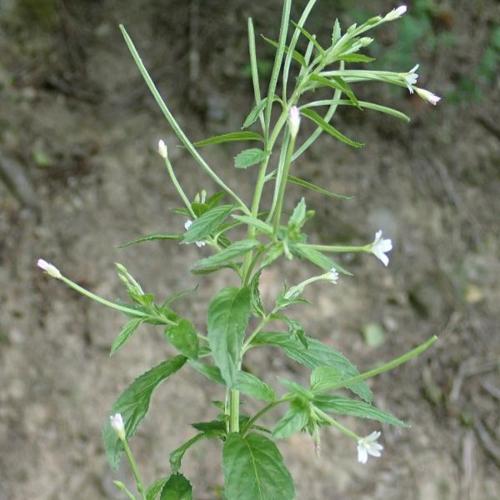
[282,186]
[234,409]
[135,469]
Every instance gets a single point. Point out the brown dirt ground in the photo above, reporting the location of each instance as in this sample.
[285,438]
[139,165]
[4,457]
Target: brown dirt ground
[79,121]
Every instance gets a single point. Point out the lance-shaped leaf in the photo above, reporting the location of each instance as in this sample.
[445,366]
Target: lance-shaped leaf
[249,157]
[230,137]
[297,56]
[154,489]
[225,257]
[228,315]
[177,488]
[329,129]
[178,454]
[252,386]
[337,83]
[254,113]
[127,331]
[316,354]
[209,371]
[152,237]
[356,58]
[133,404]
[346,406]
[254,470]
[317,258]
[208,223]
[183,336]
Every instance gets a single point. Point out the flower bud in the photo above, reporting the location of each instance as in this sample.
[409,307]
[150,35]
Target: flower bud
[294,121]
[428,96]
[118,426]
[396,13]
[50,269]
[162,149]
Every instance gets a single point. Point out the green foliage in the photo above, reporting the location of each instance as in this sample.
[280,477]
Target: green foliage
[228,316]
[254,470]
[133,404]
[177,488]
[237,319]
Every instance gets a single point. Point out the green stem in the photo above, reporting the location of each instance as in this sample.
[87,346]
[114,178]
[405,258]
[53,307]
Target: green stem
[177,185]
[234,411]
[285,19]
[173,122]
[324,416]
[260,326]
[135,469]
[282,186]
[101,300]
[340,248]
[263,411]
[387,366]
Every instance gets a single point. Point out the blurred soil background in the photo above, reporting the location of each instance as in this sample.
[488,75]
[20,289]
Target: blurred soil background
[78,132]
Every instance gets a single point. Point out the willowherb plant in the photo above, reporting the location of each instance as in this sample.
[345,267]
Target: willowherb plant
[237,319]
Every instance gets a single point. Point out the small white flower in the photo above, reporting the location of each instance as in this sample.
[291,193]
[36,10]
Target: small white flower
[294,121]
[118,426]
[428,96]
[333,276]
[380,247]
[411,78]
[162,149]
[396,13]
[187,225]
[49,268]
[369,446]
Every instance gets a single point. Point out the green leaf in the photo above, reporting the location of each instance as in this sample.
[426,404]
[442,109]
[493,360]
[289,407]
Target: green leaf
[154,489]
[299,214]
[249,157]
[228,316]
[225,257]
[294,420]
[318,120]
[254,470]
[178,454]
[230,137]
[256,301]
[356,58]
[257,223]
[254,113]
[317,258]
[297,330]
[318,189]
[346,406]
[177,488]
[209,371]
[184,337]
[208,223]
[252,386]
[152,237]
[336,32]
[127,331]
[133,404]
[310,37]
[297,56]
[315,355]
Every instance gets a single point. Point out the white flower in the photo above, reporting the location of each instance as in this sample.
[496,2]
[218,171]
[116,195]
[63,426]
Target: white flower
[369,446]
[380,247]
[333,276]
[49,268]
[187,225]
[428,96]
[411,78]
[294,121]
[118,426]
[396,13]
[162,149]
